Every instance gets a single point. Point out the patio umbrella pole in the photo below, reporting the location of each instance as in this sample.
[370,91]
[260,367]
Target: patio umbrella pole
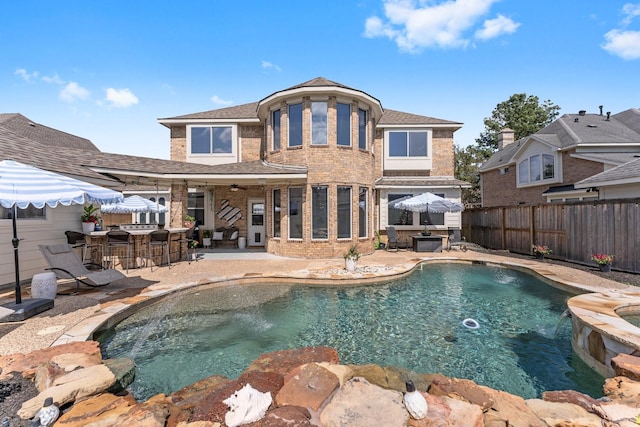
[30,307]
[15,242]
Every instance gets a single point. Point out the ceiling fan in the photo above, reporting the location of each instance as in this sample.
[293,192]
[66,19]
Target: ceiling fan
[236,187]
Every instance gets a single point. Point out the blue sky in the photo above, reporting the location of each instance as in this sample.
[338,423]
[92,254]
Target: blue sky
[108,70]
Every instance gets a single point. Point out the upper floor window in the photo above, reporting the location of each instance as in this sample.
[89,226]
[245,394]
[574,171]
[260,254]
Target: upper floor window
[362,129]
[275,126]
[211,139]
[295,125]
[536,168]
[319,123]
[408,144]
[343,131]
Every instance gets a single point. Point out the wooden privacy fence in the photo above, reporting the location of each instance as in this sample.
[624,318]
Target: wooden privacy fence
[574,231]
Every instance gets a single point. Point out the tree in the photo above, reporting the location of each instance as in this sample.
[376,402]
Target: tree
[521,113]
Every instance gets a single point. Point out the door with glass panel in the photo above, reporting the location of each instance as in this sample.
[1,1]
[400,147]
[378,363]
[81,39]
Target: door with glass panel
[255,231]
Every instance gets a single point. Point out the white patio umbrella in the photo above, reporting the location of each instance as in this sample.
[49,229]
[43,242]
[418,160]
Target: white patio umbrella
[23,185]
[133,204]
[427,202]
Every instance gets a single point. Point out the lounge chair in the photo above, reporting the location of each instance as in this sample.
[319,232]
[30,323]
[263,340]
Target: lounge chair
[66,264]
[393,241]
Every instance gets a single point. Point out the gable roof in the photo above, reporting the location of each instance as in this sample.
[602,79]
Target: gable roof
[20,125]
[116,170]
[619,133]
[237,112]
[626,173]
[399,118]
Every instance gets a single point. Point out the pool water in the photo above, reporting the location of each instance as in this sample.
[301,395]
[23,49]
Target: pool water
[523,344]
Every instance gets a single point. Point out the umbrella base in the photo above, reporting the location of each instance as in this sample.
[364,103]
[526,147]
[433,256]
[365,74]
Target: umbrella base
[26,309]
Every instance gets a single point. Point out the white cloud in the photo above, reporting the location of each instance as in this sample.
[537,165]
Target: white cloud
[496,27]
[53,79]
[72,92]
[416,25]
[121,98]
[26,76]
[266,65]
[621,42]
[625,44]
[219,101]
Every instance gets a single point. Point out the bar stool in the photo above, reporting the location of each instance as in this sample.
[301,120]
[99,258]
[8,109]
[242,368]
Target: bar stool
[159,238]
[79,240]
[189,239]
[118,239]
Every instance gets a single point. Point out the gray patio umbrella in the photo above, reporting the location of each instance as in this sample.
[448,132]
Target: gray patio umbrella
[23,185]
[427,202]
[133,204]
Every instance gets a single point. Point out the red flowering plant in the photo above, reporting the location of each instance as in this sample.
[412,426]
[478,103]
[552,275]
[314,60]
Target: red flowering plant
[541,249]
[90,214]
[602,259]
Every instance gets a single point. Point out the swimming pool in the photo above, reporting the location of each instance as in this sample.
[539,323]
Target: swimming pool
[522,345]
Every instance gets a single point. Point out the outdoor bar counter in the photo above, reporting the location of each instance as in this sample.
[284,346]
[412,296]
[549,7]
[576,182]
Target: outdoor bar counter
[139,249]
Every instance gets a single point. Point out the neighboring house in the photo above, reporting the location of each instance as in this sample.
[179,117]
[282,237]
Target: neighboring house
[558,162]
[346,156]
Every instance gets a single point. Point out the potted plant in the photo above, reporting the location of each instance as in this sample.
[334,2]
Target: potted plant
[378,244]
[604,261]
[425,231]
[351,258]
[89,218]
[541,250]
[189,221]
[206,238]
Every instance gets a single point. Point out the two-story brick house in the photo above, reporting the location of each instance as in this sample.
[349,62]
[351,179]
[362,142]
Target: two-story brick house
[309,170]
[555,163]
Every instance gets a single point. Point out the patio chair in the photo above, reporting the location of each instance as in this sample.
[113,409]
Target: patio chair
[66,264]
[159,238]
[79,240]
[393,241]
[117,239]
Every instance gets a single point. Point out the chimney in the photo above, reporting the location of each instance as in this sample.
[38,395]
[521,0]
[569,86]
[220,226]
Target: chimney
[608,115]
[601,107]
[505,137]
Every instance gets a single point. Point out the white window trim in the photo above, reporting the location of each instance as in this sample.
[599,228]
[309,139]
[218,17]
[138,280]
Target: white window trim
[213,156]
[542,181]
[413,162]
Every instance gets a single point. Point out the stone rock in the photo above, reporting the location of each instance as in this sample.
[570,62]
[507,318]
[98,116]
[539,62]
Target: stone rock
[307,386]
[212,408]
[622,390]
[46,374]
[510,410]
[124,369]
[465,390]
[626,365]
[152,413]
[617,412]
[343,372]
[75,385]
[284,361]
[571,396]
[438,413]
[72,361]
[374,374]
[289,416]
[463,413]
[190,395]
[246,405]
[27,364]
[358,402]
[555,413]
[198,424]
[102,409]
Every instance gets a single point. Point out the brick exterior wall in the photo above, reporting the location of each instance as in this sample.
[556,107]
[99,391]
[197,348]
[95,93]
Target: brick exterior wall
[328,165]
[178,149]
[501,190]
